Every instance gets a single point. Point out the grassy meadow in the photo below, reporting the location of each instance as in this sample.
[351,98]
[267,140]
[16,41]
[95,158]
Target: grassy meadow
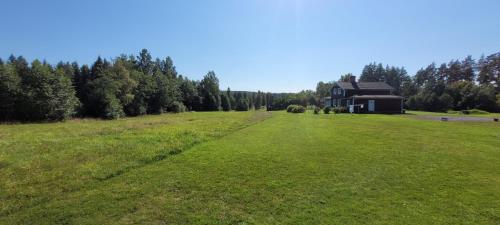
[251,168]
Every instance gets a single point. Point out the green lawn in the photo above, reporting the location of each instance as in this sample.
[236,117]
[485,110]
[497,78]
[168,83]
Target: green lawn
[251,168]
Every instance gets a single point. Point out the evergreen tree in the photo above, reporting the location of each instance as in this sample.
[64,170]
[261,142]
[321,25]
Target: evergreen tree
[97,68]
[454,71]
[258,100]
[145,62]
[231,98]
[189,93]
[242,103]
[225,102]
[489,70]
[468,69]
[209,91]
[368,73]
[168,68]
[373,72]
[345,77]
[20,64]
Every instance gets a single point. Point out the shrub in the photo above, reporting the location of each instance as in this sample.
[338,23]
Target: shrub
[112,109]
[336,110]
[316,110]
[299,109]
[178,107]
[327,110]
[295,109]
[340,109]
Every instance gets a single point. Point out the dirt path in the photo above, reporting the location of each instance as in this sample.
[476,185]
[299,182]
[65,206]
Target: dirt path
[456,118]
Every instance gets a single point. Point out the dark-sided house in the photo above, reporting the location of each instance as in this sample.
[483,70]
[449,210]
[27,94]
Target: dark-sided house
[366,97]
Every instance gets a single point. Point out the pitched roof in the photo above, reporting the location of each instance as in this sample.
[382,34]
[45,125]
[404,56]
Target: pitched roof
[364,86]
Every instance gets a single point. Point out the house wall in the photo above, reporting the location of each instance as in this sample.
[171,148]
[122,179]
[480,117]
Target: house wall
[327,102]
[381,105]
[336,97]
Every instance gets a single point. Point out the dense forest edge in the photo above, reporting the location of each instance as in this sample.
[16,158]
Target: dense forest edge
[131,85]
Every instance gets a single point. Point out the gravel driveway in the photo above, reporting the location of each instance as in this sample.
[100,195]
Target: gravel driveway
[456,118]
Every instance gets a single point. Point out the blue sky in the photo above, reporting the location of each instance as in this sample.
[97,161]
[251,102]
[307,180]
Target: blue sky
[269,45]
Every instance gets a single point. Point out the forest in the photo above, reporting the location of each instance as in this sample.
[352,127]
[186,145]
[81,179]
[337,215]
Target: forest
[132,85]
[126,86]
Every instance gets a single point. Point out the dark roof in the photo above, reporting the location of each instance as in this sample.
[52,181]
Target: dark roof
[364,86]
[377,97]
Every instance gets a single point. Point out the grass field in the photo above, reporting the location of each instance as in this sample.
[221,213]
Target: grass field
[251,168]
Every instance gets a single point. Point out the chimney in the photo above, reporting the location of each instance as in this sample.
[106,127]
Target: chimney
[352,79]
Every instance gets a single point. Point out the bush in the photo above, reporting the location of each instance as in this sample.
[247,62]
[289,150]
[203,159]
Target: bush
[295,109]
[178,107]
[339,109]
[336,110]
[327,110]
[112,109]
[316,110]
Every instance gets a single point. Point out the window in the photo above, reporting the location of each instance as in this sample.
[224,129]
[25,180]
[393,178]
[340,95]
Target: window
[334,91]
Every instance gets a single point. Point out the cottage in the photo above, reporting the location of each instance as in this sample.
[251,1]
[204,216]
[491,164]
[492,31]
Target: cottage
[366,97]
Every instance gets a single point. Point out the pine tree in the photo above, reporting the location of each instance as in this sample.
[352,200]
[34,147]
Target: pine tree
[209,90]
[225,102]
[258,100]
[468,66]
[454,71]
[97,68]
[145,62]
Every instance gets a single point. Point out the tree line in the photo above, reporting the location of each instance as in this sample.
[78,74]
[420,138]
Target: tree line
[132,85]
[456,85]
[125,86]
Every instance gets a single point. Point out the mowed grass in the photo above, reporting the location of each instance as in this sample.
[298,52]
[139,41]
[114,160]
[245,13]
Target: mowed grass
[251,168]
